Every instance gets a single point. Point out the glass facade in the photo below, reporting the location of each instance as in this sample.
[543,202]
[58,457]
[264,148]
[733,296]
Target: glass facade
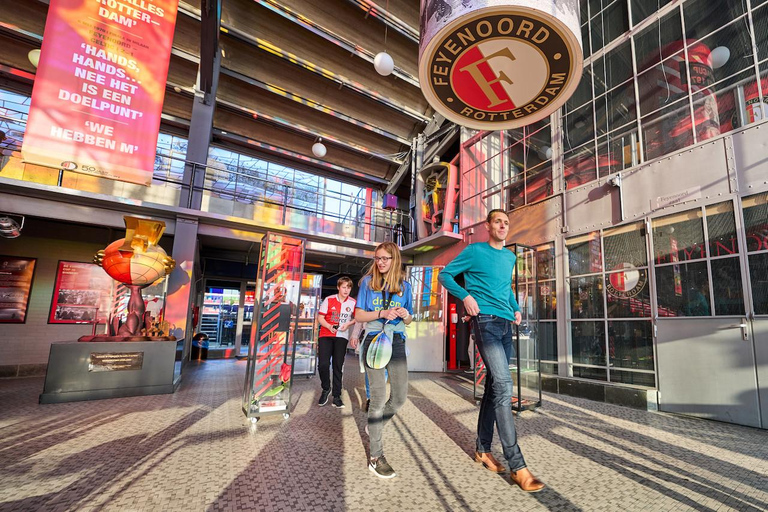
[610,306]
[547,307]
[659,76]
[230,175]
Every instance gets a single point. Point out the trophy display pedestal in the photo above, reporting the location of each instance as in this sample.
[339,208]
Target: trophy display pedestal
[108,369]
[108,338]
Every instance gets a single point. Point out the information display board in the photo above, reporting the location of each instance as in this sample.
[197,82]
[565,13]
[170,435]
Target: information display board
[82,294]
[15,286]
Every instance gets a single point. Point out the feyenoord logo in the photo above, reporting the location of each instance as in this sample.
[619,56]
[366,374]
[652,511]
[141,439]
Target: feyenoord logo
[492,71]
[626,284]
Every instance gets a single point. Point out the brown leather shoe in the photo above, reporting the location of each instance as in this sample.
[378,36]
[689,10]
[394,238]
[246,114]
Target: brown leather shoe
[489,461]
[526,481]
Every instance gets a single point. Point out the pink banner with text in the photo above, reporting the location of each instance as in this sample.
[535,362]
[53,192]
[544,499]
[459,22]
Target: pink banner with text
[99,89]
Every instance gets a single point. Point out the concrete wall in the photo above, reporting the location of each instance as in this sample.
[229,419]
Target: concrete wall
[24,347]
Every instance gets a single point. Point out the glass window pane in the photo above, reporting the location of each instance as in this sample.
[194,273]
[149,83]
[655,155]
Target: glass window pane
[614,68]
[756,221]
[636,378]
[587,297]
[548,368]
[590,373]
[579,127]
[586,49]
[630,345]
[609,24]
[538,183]
[722,230]
[583,92]
[618,151]
[726,287]
[628,294]
[760,19]
[659,40]
[678,237]
[588,343]
[584,254]
[704,16]
[683,289]
[758,276]
[641,9]
[615,109]
[547,300]
[625,247]
[548,341]
[579,167]
[545,261]
[667,130]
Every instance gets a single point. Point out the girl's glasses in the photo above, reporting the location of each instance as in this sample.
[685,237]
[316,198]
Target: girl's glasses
[382,259]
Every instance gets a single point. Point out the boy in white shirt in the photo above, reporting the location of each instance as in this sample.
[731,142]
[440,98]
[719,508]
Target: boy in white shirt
[336,316]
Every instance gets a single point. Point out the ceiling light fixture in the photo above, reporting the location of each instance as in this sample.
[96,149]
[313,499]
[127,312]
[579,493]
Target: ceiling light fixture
[34,57]
[383,63]
[319,149]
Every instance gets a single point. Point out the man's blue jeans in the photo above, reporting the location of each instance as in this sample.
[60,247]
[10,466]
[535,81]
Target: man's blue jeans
[493,337]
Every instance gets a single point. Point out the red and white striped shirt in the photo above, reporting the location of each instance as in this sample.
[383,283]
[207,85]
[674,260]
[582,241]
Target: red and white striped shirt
[337,313]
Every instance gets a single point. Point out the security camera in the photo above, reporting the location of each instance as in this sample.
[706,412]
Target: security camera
[11,225]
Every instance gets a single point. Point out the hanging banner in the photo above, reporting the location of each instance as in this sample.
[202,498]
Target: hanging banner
[499,64]
[99,88]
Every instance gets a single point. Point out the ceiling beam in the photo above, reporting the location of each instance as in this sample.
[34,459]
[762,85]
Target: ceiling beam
[389,18]
[333,37]
[268,46]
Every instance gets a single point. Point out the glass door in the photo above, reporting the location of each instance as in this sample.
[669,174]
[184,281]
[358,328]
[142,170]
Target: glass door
[706,357]
[755,216]
[219,316]
[249,301]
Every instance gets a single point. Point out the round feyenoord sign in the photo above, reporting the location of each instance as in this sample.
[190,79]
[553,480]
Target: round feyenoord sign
[489,66]
[628,283]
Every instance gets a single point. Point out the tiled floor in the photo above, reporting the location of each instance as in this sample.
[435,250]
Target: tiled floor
[193,450]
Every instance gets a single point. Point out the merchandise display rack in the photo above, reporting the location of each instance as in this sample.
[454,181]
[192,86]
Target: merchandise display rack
[272,346]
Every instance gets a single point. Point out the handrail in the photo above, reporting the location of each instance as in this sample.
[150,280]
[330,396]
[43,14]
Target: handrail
[242,186]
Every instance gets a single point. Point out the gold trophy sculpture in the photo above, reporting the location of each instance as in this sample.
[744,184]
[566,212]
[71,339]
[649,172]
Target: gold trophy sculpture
[136,261]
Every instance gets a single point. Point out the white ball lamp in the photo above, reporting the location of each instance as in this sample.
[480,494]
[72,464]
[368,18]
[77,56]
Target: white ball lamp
[319,149]
[383,64]
[719,56]
[34,56]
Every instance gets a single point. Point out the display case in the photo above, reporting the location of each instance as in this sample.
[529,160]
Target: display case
[272,347]
[525,363]
[218,318]
[306,333]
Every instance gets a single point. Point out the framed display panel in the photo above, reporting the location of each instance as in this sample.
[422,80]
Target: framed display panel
[82,294]
[525,362]
[16,275]
[272,347]
[306,333]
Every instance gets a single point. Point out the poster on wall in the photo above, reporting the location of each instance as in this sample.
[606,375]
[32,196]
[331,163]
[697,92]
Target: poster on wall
[15,285]
[99,88]
[82,294]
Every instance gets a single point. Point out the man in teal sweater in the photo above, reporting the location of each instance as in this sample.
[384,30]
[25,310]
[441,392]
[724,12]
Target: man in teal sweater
[490,300]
